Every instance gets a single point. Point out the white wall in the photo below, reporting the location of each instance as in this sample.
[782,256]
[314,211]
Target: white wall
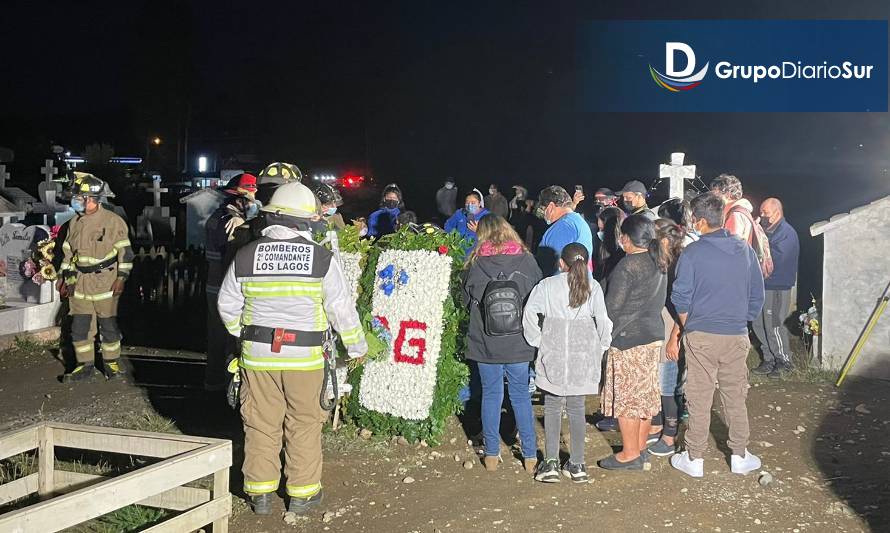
[857,269]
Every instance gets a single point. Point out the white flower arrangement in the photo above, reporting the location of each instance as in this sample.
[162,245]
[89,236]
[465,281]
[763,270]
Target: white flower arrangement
[352,271]
[409,292]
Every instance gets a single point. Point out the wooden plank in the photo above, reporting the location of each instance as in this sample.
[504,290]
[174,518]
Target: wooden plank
[216,510]
[16,442]
[134,433]
[46,458]
[125,441]
[14,490]
[220,489]
[177,499]
[90,502]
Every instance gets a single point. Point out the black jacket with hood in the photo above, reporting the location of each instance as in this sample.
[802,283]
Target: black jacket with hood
[510,348]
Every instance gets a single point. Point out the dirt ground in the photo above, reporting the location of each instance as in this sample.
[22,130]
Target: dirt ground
[825,448]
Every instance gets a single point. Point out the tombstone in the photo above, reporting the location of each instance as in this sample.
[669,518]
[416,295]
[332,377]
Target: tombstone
[677,173]
[49,192]
[23,201]
[198,208]
[16,244]
[155,223]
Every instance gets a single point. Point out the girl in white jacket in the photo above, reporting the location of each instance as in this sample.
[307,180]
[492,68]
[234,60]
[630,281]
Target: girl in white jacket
[565,318]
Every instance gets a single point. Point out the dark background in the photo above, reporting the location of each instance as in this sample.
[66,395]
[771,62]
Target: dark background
[410,92]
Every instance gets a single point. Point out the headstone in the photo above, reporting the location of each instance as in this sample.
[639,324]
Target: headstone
[23,201]
[16,243]
[152,225]
[198,208]
[3,176]
[677,173]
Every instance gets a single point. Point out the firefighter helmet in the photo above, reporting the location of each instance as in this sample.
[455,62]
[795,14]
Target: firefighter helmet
[85,184]
[242,185]
[327,194]
[292,199]
[280,173]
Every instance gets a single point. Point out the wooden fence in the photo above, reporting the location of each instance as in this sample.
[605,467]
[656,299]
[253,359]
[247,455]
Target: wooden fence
[71,498]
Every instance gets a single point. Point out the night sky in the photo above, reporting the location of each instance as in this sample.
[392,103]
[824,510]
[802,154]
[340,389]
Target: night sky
[483,91]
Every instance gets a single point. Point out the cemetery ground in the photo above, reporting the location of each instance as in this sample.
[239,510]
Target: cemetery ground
[824,448]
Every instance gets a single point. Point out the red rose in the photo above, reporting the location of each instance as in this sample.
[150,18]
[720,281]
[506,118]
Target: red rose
[443,250]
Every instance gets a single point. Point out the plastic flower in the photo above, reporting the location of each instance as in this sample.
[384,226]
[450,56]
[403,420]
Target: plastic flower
[29,268]
[443,250]
[387,272]
[38,278]
[48,272]
[403,277]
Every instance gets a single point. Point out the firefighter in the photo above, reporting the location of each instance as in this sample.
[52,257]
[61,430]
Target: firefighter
[225,233]
[329,200]
[97,261]
[279,296]
[275,175]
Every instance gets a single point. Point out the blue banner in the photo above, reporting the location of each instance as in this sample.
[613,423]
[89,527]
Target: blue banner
[734,65]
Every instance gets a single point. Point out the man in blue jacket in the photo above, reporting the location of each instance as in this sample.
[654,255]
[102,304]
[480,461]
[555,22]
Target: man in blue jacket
[770,325]
[718,290]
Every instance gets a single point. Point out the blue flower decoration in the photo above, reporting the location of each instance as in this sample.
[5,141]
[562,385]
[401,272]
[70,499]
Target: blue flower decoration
[388,286]
[403,278]
[387,272]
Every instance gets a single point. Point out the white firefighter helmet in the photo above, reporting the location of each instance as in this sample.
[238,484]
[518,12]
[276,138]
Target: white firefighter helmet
[292,199]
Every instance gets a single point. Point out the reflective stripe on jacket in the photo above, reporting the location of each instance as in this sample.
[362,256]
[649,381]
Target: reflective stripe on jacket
[285,280]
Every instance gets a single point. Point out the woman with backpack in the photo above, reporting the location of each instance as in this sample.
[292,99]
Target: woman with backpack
[576,330]
[500,273]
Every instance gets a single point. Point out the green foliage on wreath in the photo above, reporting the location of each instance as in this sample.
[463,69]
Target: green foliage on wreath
[452,373]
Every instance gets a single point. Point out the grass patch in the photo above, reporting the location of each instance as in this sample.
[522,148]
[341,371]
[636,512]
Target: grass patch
[150,421]
[18,466]
[805,370]
[126,519]
[27,349]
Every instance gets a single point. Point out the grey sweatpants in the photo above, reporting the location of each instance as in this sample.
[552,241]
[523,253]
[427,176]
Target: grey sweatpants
[770,327]
[574,406]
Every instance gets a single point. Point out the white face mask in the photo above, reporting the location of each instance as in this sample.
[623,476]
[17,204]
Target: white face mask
[449,185]
[601,235]
[363,232]
[620,244]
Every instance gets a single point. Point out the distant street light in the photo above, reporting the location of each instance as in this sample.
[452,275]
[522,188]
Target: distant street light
[156,141]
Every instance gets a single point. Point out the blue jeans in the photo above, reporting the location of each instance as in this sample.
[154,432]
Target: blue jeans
[668,374]
[492,377]
[472,390]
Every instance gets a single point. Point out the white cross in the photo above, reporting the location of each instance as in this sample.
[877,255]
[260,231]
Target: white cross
[678,173]
[156,190]
[49,171]
[3,176]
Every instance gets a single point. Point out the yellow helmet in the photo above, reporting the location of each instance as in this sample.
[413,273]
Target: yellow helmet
[280,173]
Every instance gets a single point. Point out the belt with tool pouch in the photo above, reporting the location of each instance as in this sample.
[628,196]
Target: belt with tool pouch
[279,337]
[90,269]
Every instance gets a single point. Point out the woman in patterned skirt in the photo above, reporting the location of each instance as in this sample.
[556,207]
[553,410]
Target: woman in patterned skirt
[635,295]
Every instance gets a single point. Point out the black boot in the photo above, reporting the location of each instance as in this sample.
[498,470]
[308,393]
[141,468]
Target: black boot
[304,505]
[781,370]
[764,369]
[262,503]
[81,372]
[113,369]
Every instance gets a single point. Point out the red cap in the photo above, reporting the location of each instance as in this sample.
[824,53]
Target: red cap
[247,182]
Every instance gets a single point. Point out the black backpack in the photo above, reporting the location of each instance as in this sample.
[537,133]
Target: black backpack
[501,307]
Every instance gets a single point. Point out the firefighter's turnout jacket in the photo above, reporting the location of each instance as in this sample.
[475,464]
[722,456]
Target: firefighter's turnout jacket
[96,252]
[284,280]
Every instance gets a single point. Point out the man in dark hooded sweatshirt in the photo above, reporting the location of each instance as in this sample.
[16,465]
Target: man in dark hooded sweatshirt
[718,290]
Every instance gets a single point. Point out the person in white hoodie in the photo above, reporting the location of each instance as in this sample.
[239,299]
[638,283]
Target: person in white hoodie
[565,318]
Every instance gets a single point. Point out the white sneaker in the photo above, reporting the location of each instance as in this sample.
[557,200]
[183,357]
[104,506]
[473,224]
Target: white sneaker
[743,465]
[692,467]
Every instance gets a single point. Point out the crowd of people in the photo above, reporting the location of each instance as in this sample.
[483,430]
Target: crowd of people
[648,309]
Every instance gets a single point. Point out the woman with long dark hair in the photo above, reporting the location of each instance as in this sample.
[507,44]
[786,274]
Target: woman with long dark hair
[576,330]
[635,295]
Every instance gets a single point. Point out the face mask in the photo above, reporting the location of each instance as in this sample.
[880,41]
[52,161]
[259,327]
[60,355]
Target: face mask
[449,185]
[601,235]
[492,191]
[331,211]
[765,222]
[390,204]
[363,232]
[252,211]
[472,208]
[621,244]
[77,205]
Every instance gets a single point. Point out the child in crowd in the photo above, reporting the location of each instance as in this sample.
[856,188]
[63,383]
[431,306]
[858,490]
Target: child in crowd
[571,338]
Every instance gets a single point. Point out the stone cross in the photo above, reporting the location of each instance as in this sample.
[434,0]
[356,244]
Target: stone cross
[677,173]
[156,190]
[3,176]
[49,171]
